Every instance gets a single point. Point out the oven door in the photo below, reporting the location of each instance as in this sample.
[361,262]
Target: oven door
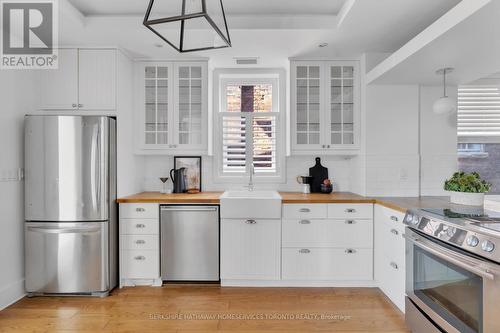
[459,292]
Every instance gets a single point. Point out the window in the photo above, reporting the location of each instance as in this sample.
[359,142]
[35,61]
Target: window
[479,114]
[249,128]
[479,132]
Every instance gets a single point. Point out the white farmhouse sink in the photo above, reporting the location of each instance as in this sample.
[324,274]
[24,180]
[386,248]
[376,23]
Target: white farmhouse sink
[240,204]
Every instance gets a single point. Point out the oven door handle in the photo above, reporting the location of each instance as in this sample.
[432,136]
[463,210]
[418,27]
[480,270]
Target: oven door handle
[449,256]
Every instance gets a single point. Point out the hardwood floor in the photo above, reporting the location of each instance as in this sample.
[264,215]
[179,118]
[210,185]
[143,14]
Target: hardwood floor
[209,308]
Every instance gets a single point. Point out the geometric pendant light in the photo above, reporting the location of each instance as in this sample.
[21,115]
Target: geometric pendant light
[189,25]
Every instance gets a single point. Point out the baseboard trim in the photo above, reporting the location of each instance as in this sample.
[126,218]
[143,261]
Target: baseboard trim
[12,293]
[297,283]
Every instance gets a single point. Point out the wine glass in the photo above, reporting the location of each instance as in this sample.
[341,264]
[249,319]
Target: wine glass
[164,184]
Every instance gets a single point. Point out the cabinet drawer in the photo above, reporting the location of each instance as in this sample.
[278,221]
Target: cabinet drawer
[393,245]
[141,211]
[391,215]
[354,233]
[392,281]
[326,264]
[139,242]
[359,211]
[139,227]
[140,264]
[305,211]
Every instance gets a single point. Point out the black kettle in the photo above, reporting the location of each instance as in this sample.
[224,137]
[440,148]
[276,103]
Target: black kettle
[179,179]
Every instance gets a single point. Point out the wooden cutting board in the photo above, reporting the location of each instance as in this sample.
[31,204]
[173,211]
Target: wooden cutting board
[319,173]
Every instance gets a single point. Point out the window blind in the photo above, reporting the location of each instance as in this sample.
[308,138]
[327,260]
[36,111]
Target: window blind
[478,114]
[234,144]
[264,143]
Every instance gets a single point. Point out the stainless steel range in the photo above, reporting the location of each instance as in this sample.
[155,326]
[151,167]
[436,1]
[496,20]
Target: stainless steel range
[453,270]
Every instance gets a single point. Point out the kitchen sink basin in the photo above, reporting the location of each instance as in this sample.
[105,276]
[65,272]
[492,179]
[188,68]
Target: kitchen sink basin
[238,204]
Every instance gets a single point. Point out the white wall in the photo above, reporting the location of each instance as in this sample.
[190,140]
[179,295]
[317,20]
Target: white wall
[438,142]
[17,94]
[410,150]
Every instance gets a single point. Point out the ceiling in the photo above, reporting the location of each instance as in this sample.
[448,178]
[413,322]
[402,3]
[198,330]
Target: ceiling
[232,7]
[273,30]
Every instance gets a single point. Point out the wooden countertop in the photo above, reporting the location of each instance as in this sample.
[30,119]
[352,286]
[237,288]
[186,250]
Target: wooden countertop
[338,197]
[157,197]
[397,203]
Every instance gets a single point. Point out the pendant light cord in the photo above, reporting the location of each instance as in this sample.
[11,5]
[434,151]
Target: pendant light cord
[444,83]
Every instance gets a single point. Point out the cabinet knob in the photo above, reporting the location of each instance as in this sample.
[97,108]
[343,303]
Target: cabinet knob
[304,251]
[395,232]
[73,105]
[140,209]
[304,210]
[350,222]
[394,218]
[140,226]
[140,258]
[350,251]
[80,105]
[140,241]
[350,210]
[323,146]
[394,265]
[251,222]
[305,222]
[328,146]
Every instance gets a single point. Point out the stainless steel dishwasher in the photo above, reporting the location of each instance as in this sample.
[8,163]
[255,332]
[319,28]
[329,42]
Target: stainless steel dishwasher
[189,243]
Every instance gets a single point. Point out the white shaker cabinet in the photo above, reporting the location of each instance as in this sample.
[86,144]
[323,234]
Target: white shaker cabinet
[139,244]
[85,80]
[171,106]
[390,254]
[96,79]
[325,107]
[250,249]
[59,87]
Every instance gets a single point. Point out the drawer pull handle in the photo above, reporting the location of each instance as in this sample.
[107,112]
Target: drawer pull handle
[140,241]
[251,222]
[140,226]
[304,251]
[350,210]
[140,209]
[305,210]
[394,218]
[140,258]
[395,232]
[350,251]
[350,222]
[394,265]
[305,222]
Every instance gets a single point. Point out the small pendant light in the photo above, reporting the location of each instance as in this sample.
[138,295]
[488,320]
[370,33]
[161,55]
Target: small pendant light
[445,104]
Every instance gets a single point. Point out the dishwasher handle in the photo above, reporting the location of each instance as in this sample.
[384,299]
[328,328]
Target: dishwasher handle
[189,208]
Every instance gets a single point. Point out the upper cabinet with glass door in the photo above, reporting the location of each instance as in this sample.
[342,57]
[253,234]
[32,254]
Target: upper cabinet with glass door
[325,107]
[172,104]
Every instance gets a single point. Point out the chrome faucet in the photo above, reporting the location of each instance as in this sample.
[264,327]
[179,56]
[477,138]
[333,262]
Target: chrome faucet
[250,182]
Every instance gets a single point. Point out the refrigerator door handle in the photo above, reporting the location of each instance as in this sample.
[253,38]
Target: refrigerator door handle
[49,230]
[93,151]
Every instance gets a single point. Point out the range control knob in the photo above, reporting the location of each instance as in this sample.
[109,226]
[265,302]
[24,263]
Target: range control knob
[415,220]
[488,246]
[472,241]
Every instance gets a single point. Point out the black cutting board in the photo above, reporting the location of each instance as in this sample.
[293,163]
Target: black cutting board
[319,173]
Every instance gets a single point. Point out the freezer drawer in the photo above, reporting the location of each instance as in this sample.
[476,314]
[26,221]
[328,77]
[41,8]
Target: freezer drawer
[66,257]
[189,243]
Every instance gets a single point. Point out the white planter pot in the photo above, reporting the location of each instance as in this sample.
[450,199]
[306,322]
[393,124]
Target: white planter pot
[469,199]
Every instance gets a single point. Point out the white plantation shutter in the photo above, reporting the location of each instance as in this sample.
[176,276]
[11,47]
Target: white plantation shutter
[478,114]
[234,144]
[264,143]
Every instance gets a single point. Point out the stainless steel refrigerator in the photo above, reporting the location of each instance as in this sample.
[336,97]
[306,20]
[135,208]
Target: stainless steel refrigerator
[71,231]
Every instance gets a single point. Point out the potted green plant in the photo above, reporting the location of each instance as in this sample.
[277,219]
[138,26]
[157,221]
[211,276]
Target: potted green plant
[467,188]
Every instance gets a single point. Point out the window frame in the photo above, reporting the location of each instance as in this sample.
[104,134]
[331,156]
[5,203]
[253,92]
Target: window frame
[224,77]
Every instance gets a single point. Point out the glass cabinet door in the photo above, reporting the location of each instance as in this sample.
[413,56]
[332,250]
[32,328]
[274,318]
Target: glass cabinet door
[308,101]
[341,110]
[190,96]
[156,105]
